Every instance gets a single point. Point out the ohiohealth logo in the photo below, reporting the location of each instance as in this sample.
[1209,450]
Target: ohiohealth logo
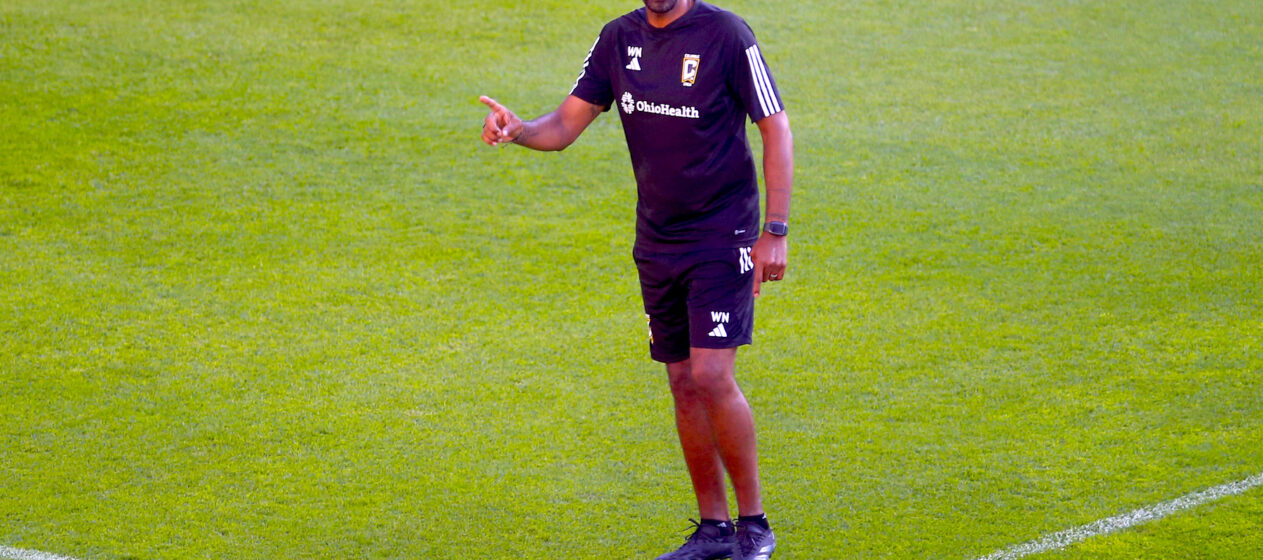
[630,105]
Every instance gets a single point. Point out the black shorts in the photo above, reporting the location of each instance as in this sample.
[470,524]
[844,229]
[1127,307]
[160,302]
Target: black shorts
[702,299]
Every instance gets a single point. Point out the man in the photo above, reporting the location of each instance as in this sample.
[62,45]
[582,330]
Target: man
[685,75]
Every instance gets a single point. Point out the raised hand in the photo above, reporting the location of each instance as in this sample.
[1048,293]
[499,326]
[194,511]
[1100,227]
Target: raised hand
[501,125]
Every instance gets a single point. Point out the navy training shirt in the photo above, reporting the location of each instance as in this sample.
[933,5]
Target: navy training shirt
[684,92]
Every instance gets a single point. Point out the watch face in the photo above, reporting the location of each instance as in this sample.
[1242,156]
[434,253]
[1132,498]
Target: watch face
[776,228]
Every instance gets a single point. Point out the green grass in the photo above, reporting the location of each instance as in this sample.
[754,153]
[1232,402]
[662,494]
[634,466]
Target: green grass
[264,295]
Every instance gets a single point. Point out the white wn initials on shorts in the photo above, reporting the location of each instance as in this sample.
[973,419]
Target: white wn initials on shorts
[719,317]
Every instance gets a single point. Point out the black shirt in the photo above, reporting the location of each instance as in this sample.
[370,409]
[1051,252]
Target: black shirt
[684,92]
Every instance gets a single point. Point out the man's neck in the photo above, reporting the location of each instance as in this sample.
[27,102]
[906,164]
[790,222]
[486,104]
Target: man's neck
[662,20]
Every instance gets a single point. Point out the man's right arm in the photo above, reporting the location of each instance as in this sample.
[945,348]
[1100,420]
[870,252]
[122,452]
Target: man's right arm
[551,132]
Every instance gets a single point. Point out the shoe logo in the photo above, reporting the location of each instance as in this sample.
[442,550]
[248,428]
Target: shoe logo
[635,53]
[719,317]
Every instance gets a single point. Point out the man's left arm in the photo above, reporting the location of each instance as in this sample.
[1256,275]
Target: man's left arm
[771,252]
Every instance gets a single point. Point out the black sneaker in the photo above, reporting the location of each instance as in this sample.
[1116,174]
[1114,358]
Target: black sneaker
[708,542]
[753,542]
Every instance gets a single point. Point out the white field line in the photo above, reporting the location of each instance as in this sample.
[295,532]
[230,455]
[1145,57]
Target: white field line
[1048,543]
[1145,514]
[19,554]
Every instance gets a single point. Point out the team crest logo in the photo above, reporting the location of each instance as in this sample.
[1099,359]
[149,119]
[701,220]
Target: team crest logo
[688,74]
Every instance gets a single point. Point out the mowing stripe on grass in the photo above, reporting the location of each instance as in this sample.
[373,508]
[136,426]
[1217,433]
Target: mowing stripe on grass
[10,553]
[1146,514]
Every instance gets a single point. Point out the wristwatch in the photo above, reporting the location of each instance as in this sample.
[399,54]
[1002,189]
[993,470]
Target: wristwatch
[779,229]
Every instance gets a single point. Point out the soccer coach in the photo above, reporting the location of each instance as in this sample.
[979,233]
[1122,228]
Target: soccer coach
[685,75]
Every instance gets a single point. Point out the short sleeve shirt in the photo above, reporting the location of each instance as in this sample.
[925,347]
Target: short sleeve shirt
[683,93]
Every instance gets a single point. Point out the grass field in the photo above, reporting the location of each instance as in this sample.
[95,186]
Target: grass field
[263,294]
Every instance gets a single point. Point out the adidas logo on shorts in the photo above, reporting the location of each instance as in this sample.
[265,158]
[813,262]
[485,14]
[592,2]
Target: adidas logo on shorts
[719,317]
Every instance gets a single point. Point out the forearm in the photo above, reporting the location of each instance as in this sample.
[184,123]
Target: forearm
[547,133]
[560,128]
[778,168]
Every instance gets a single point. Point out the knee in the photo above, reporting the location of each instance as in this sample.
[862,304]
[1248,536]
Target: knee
[680,374]
[712,377]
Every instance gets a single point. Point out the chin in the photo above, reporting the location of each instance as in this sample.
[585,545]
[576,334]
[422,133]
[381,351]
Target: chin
[660,6]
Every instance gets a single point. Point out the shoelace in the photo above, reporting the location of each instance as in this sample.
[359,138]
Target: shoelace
[695,530]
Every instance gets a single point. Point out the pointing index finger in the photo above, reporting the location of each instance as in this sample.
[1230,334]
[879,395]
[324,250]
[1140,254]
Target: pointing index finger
[495,105]
[758,278]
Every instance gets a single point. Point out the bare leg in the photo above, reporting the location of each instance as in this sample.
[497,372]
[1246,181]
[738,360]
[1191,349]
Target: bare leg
[714,420]
[698,443]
